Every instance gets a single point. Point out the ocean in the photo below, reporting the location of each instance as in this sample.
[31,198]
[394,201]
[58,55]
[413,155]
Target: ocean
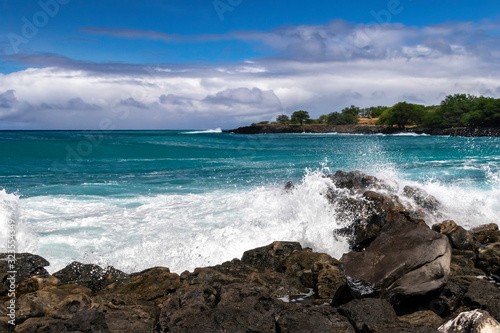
[186,199]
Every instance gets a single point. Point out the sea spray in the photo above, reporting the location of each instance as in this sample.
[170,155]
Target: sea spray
[183,231]
[11,214]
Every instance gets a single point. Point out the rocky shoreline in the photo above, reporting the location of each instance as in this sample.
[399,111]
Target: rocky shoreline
[400,276]
[362,129]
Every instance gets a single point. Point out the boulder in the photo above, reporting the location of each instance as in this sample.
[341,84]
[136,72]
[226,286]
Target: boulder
[477,321]
[318,271]
[487,234]
[90,276]
[36,283]
[445,227]
[26,265]
[488,258]
[373,315]
[460,238]
[423,319]
[405,259]
[483,295]
[271,256]
[422,198]
[126,314]
[150,284]
[356,181]
[312,319]
[230,308]
[450,297]
[41,302]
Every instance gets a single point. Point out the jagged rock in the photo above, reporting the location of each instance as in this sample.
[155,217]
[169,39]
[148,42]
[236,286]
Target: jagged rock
[70,305]
[488,258]
[405,259]
[41,302]
[27,265]
[445,227]
[487,234]
[316,270]
[484,295]
[422,198]
[423,319]
[232,308]
[150,284]
[451,295]
[373,315]
[271,256]
[279,285]
[356,181]
[90,276]
[476,321]
[312,319]
[36,283]
[460,238]
[127,314]
[43,325]
[463,264]
[289,186]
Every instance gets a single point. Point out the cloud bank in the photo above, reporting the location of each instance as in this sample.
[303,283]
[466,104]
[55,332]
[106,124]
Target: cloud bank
[320,68]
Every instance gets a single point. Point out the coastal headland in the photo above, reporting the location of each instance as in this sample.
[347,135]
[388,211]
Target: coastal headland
[366,129]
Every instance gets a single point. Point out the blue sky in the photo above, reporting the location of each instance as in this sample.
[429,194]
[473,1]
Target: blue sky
[158,64]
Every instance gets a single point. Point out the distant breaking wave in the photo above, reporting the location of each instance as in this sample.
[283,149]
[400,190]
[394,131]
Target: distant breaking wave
[217,130]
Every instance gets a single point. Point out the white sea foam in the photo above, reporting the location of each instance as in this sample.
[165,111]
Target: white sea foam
[181,231]
[217,130]
[409,134]
[26,239]
[187,231]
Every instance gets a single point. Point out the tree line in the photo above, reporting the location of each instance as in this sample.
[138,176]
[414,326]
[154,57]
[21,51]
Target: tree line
[459,110]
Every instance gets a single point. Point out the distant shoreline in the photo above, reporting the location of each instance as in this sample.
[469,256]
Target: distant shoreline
[364,129]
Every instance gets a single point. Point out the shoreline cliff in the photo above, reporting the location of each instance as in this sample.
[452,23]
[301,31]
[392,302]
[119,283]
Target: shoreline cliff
[364,129]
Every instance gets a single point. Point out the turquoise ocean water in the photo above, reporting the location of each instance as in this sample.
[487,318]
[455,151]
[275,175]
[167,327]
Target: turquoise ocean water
[183,199]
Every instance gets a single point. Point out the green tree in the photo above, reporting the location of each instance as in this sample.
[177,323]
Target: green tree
[454,108]
[323,119]
[283,119]
[349,116]
[333,118]
[402,114]
[300,116]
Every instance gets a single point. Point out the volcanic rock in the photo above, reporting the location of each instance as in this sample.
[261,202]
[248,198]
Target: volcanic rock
[405,259]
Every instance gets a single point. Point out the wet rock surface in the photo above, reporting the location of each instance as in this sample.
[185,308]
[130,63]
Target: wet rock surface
[406,259]
[399,276]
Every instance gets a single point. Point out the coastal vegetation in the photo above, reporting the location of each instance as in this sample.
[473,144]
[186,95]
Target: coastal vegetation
[458,110]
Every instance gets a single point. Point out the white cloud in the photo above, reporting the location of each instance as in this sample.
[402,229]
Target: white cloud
[317,68]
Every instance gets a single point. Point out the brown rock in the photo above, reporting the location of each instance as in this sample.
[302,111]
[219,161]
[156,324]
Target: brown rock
[445,227]
[373,315]
[423,318]
[90,276]
[127,314]
[488,258]
[484,295]
[472,321]
[406,259]
[36,283]
[487,234]
[151,284]
[271,256]
[312,319]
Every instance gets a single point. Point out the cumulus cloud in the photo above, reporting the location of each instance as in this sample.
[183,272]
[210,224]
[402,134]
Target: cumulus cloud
[254,96]
[319,68]
[130,102]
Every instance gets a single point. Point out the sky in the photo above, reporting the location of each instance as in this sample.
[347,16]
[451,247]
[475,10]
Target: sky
[205,64]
